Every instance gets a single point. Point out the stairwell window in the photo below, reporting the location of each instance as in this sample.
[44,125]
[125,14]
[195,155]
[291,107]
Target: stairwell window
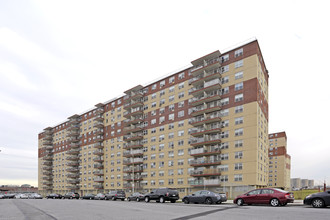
[238,75]
[239,132]
[239,52]
[238,177]
[238,86]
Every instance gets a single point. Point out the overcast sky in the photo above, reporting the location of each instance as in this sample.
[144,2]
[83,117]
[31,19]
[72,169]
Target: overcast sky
[58,58]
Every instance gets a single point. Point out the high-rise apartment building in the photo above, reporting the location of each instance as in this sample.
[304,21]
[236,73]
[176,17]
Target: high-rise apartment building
[279,161]
[203,127]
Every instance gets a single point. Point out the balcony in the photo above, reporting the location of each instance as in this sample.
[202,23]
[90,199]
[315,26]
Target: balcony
[133,153]
[72,170]
[47,142]
[137,186]
[48,132]
[133,161]
[98,132]
[204,162]
[47,178]
[98,145]
[74,145]
[98,172]
[200,183]
[74,139]
[98,152]
[99,118]
[47,167]
[48,137]
[73,128]
[98,159]
[205,172]
[98,166]
[48,157]
[72,175]
[134,113]
[99,139]
[99,180]
[46,173]
[204,109]
[130,170]
[205,151]
[135,120]
[73,151]
[207,76]
[205,120]
[211,96]
[98,124]
[72,186]
[215,128]
[72,164]
[73,158]
[206,140]
[133,129]
[47,163]
[49,147]
[98,186]
[72,181]
[206,67]
[47,187]
[47,183]
[131,177]
[133,96]
[134,137]
[133,145]
[72,133]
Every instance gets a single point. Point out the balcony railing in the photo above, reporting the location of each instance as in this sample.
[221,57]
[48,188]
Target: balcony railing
[131,177]
[205,172]
[98,166]
[73,151]
[72,158]
[98,159]
[204,162]
[132,161]
[130,169]
[98,172]
[98,124]
[72,164]
[132,153]
[205,151]
[98,186]
[101,180]
[98,152]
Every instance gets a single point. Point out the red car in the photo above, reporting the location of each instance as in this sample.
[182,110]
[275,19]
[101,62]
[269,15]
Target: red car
[274,197]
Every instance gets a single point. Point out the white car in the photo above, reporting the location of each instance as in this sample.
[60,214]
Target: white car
[21,196]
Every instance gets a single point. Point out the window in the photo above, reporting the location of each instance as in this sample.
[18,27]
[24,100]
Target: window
[180,133]
[170,126]
[171,135]
[239,109]
[161,164]
[224,80]
[153,96]
[181,75]
[153,121]
[153,104]
[171,80]
[224,69]
[238,166]
[181,95]
[239,143]
[224,156]
[239,64]
[161,110]
[171,89]
[170,181]
[171,154]
[161,119]
[238,120]
[153,130]
[171,116]
[180,171]
[238,155]
[181,104]
[181,123]
[161,102]
[239,52]
[161,93]
[161,155]
[238,86]
[180,152]
[181,113]
[180,142]
[238,97]
[161,173]
[239,132]
[161,137]
[238,177]
[225,58]
[181,85]
[239,75]
[171,98]
[224,101]
[162,83]
[180,162]
[224,90]
[154,86]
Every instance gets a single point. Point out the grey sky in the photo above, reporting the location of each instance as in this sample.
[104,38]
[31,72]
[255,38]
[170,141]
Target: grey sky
[58,58]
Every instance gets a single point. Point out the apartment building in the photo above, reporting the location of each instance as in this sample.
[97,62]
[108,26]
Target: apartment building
[279,161]
[205,126]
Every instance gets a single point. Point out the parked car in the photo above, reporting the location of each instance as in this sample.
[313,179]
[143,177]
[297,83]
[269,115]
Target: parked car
[88,196]
[71,195]
[2,196]
[114,195]
[36,196]
[272,196]
[9,196]
[136,197]
[99,196]
[318,200]
[21,196]
[54,196]
[205,196]
[162,194]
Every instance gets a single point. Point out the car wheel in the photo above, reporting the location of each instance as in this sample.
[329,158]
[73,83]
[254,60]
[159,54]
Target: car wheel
[161,199]
[147,199]
[208,201]
[138,199]
[240,202]
[186,201]
[128,199]
[274,202]
[318,203]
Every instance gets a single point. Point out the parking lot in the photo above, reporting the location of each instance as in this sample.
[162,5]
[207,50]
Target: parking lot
[90,209]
